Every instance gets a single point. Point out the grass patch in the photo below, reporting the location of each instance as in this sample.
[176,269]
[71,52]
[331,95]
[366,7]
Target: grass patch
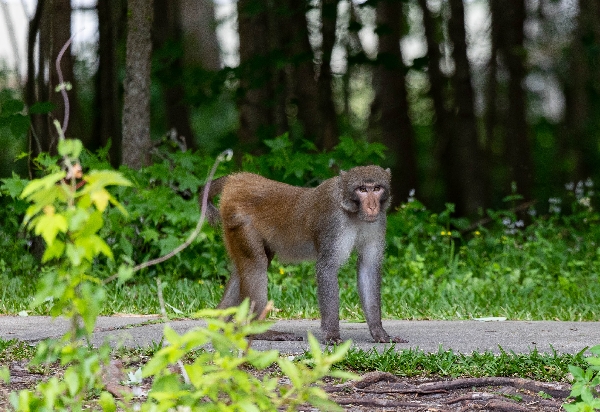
[546,367]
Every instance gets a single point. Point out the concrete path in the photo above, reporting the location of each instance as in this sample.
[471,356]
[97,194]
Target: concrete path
[429,336]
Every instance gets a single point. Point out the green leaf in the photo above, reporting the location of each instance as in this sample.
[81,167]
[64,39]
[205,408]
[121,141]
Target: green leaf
[75,254]
[71,378]
[49,225]
[43,183]
[70,148]
[19,125]
[124,273]
[107,402]
[4,374]
[11,106]
[319,398]
[291,371]
[14,186]
[262,359]
[53,251]
[41,107]
[577,372]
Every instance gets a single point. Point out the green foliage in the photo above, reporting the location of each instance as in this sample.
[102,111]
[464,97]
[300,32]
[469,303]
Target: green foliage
[585,385]
[69,215]
[302,164]
[14,124]
[216,375]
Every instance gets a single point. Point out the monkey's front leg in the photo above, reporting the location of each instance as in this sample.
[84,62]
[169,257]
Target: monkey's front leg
[369,290]
[329,299]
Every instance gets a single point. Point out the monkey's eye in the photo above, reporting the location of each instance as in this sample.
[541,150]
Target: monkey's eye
[362,189]
[377,188]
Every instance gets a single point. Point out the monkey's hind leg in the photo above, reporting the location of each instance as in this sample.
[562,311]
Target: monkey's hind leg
[231,296]
[249,279]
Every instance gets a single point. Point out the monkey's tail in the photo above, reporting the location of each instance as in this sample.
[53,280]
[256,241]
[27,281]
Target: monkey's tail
[212,213]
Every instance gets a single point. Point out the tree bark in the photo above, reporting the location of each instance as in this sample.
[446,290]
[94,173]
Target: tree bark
[39,126]
[438,89]
[168,36]
[329,136]
[256,97]
[200,44]
[59,18]
[579,137]
[107,119]
[389,111]
[517,144]
[136,101]
[466,176]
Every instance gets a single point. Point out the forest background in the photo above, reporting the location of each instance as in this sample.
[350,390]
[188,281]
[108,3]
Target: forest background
[473,100]
[484,112]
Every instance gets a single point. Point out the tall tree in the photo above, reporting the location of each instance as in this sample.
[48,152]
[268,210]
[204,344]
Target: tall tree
[34,87]
[329,136]
[168,41]
[311,83]
[464,170]
[581,131]
[389,111]
[59,19]
[136,101]
[107,118]
[256,93]
[438,88]
[507,41]
[51,24]
[200,43]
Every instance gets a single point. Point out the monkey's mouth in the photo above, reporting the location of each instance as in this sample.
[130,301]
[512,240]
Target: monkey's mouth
[370,219]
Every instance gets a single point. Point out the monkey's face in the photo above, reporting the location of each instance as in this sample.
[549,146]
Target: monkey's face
[370,198]
[367,191]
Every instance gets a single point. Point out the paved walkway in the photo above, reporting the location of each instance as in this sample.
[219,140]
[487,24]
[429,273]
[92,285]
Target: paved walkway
[429,336]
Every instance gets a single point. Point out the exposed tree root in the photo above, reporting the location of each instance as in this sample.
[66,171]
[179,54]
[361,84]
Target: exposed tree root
[384,390]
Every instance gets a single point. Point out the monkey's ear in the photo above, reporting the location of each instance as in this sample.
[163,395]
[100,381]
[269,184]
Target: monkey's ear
[349,206]
[388,171]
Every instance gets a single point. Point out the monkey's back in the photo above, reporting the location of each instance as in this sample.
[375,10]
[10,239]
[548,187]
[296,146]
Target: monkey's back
[275,211]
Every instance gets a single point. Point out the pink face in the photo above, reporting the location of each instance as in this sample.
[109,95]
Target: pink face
[370,201]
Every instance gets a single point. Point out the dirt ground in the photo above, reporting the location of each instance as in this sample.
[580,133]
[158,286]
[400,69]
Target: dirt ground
[379,391]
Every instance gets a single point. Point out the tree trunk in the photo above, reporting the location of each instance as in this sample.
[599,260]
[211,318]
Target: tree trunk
[136,101]
[200,44]
[329,136]
[579,138]
[256,97]
[464,169]
[301,80]
[59,18]
[389,110]
[517,144]
[107,119]
[168,36]
[438,90]
[39,126]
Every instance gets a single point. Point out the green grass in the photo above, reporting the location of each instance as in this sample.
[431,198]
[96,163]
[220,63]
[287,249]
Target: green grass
[547,367]
[538,366]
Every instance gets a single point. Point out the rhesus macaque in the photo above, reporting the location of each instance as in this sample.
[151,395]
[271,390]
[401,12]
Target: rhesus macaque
[262,218]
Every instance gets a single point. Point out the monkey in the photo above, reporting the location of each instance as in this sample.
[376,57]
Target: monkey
[262,218]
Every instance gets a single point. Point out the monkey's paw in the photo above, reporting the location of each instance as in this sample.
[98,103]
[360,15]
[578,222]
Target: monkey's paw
[332,340]
[390,339]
